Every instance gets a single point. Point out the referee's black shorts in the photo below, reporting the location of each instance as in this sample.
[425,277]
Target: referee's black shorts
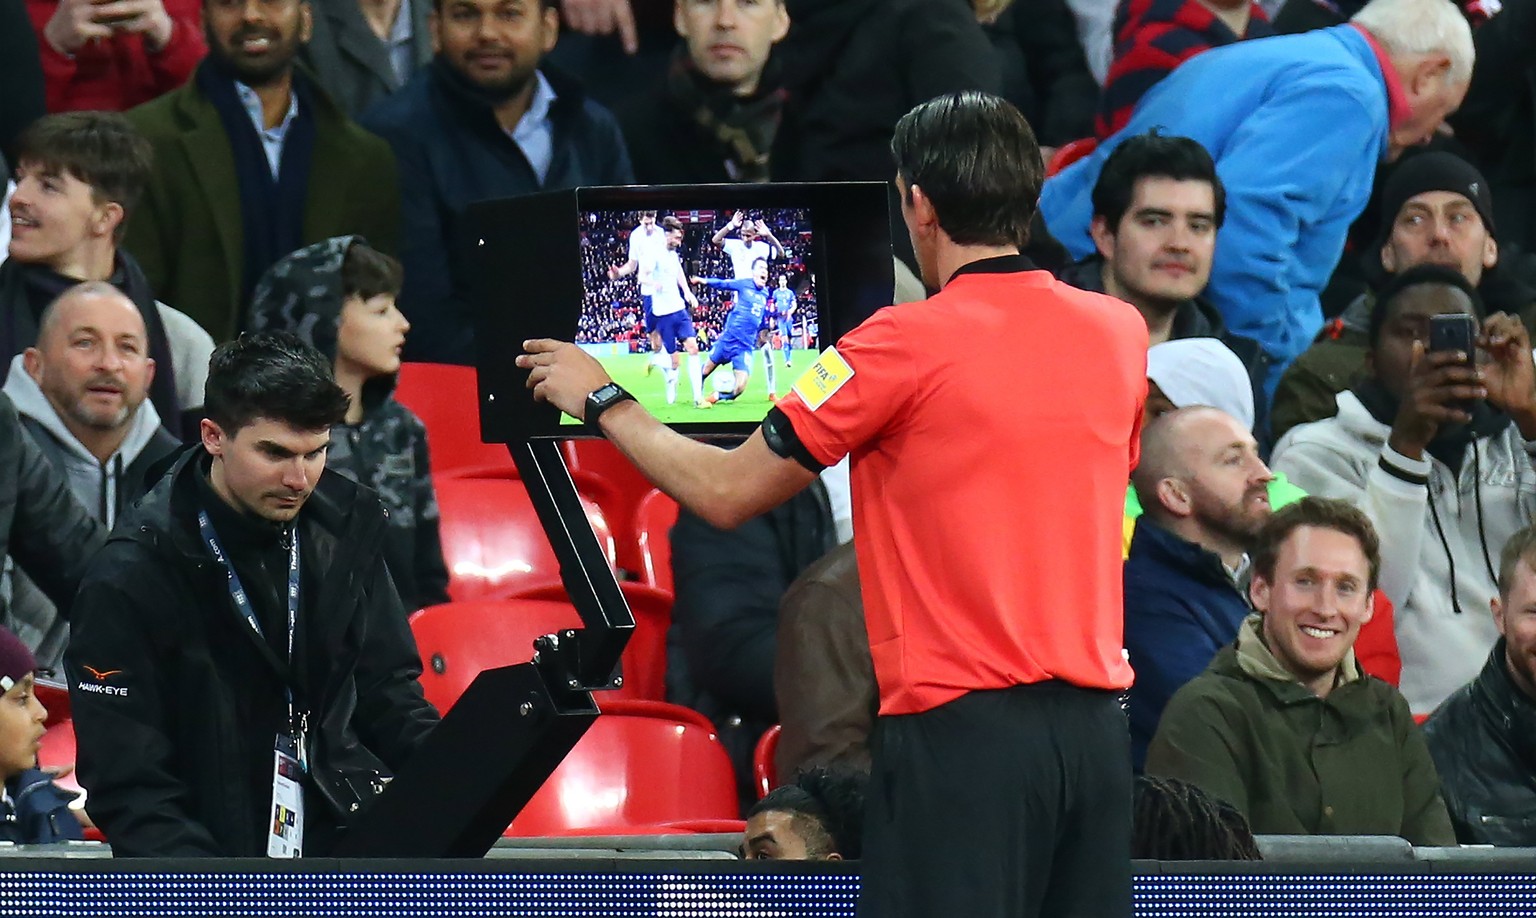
[1001,804]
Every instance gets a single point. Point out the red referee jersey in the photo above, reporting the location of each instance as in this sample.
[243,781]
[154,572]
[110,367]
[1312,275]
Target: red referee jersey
[992,428]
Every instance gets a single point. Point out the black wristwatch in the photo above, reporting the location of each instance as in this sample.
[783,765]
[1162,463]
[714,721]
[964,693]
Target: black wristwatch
[602,399]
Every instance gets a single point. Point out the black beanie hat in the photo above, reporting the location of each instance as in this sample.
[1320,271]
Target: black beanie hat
[1435,170]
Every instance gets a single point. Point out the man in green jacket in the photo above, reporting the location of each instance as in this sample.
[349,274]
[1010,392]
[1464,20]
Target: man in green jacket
[1284,725]
[252,161]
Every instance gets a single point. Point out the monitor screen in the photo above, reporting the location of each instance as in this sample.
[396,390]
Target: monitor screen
[701,314]
[704,302]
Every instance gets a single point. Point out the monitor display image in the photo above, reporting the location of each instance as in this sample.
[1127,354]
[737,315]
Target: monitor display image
[702,315]
[703,301]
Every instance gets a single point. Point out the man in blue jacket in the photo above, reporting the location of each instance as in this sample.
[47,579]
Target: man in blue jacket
[1205,494]
[1297,125]
[483,120]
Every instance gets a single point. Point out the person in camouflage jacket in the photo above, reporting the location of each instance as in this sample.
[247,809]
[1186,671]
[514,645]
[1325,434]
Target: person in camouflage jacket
[339,295]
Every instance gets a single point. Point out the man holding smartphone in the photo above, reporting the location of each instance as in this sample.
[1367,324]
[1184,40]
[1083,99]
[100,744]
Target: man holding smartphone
[1435,445]
[110,55]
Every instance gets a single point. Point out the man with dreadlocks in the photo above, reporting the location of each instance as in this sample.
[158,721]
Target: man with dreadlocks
[1177,821]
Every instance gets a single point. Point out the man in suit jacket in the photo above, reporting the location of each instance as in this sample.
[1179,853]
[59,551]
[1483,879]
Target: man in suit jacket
[363,50]
[252,161]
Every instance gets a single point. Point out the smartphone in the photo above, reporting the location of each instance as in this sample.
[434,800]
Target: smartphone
[1454,332]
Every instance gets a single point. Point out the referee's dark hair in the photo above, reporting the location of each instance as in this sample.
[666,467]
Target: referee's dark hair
[977,160]
[826,805]
[272,375]
[1177,821]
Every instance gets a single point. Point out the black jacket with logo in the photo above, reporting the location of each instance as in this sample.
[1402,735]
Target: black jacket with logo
[177,701]
[1483,739]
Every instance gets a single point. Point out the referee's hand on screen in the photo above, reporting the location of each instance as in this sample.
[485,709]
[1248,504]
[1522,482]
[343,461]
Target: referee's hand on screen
[562,374]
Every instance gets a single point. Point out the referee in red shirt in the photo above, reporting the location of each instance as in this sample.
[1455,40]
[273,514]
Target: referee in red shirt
[992,428]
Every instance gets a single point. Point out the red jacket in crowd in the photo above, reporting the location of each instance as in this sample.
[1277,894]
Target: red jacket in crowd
[117,73]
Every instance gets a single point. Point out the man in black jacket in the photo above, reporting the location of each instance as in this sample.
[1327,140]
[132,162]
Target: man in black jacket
[483,120]
[1156,208]
[244,609]
[1483,738]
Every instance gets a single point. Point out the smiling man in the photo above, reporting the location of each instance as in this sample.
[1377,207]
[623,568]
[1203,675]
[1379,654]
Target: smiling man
[262,676]
[252,160]
[1284,725]
[484,120]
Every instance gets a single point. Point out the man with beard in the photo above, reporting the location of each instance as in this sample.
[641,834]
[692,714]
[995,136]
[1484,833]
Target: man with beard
[1434,446]
[252,161]
[1205,494]
[81,394]
[483,120]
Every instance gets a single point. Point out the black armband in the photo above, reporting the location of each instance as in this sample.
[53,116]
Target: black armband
[780,436]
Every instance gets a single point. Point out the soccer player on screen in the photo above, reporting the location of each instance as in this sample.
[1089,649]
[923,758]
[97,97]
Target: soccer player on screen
[671,322]
[753,241]
[784,310]
[647,243]
[743,327]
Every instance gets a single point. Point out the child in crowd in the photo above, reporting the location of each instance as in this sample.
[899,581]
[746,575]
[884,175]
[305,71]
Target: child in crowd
[339,295]
[33,810]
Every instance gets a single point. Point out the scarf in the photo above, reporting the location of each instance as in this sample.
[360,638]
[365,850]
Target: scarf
[742,129]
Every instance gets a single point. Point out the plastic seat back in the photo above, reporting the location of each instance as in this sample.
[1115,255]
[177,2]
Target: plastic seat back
[645,657]
[447,399]
[641,766]
[458,640]
[765,773]
[654,519]
[493,543]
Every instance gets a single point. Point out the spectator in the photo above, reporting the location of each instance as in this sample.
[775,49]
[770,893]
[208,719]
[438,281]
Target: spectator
[983,688]
[728,585]
[1481,737]
[714,116]
[1284,725]
[44,531]
[1206,495]
[1156,208]
[110,55]
[483,121]
[1152,37]
[180,757]
[1177,821]
[1497,121]
[818,817]
[1297,126]
[252,161]
[363,50]
[1435,452]
[21,73]
[1435,209]
[1042,67]
[823,677]
[80,178]
[80,393]
[37,810]
[339,296]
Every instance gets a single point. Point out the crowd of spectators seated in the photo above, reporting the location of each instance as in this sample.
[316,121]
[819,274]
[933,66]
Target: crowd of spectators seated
[1248,175]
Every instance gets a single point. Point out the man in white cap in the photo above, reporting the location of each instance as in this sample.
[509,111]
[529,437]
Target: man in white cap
[1198,371]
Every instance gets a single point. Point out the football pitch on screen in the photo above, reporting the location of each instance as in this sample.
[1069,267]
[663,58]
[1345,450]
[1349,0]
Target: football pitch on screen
[628,370]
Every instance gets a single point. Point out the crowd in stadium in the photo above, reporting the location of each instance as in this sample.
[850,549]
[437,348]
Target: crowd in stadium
[229,224]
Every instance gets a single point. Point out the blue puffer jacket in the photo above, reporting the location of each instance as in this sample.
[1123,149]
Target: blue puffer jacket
[1181,607]
[42,811]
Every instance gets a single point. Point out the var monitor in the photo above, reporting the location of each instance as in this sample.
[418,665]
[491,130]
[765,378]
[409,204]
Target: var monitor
[704,302]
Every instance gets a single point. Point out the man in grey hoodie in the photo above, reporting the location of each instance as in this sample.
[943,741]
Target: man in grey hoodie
[81,396]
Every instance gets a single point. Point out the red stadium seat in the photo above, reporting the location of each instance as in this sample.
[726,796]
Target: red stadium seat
[457,640]
[654,519]
[1376,646]
[645,657]
[618,488]
[447,399]
[764,773]
[493,543]
[1069,153]
[642,768]
[55,698]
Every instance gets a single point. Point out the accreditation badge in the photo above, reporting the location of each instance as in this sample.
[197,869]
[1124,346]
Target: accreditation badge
[285,835]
